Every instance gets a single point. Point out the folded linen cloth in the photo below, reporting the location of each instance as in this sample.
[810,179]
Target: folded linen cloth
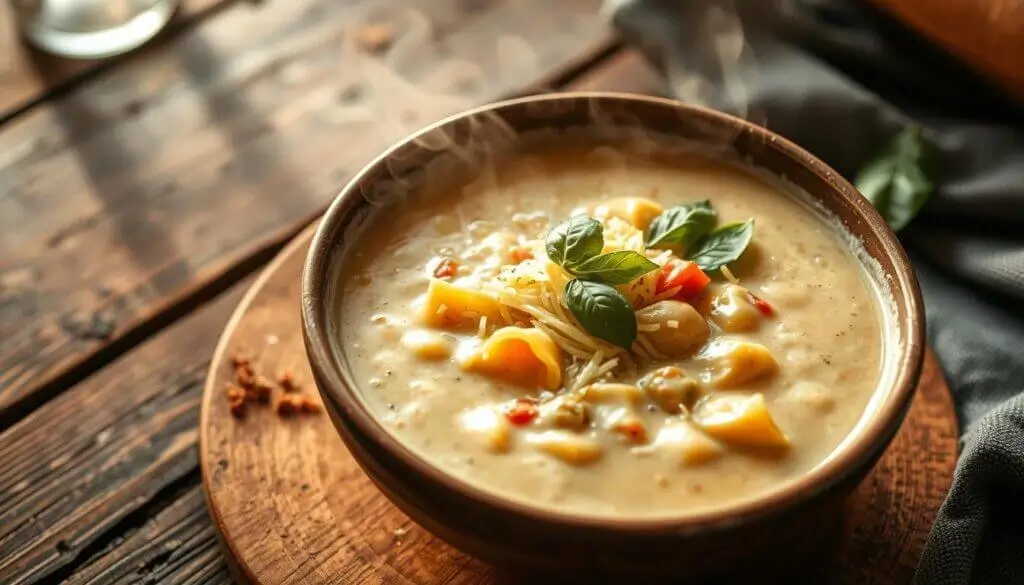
[839,78]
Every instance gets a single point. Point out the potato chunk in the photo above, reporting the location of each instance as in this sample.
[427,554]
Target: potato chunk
[487,427]
[428,345]
[680,328]
[739,419]
[733,312]
[671,389]
[571,448]
[739,362]
[447,305]
[636,210]
[685,442]
[526,357]
[611,393]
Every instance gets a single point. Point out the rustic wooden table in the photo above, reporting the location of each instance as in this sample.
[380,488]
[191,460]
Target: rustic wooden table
[140,196]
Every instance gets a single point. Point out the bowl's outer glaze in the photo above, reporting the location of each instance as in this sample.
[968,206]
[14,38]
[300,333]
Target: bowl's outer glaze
[781,531]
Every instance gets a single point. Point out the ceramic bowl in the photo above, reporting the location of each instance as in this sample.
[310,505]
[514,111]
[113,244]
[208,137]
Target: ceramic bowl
[773,534]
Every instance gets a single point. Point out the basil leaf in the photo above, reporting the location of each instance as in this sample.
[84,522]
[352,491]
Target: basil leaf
[682,225]
[574,241]
[603,311]
[895,181]
[722,246]
[618,267]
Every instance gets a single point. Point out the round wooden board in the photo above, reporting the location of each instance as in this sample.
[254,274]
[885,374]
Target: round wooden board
[292,506]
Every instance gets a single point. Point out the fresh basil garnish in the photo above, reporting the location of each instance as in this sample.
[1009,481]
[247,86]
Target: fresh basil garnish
[619,267]
[603,311]
[722,246]
[895,181]
[574,241]
[682,225]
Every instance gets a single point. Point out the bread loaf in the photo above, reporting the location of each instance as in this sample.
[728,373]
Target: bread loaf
[987,35]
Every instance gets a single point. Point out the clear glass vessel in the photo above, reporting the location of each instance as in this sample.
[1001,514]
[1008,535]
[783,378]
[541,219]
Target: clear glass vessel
[91,29]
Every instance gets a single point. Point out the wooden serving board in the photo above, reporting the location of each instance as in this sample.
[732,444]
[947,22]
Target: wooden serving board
[292,506]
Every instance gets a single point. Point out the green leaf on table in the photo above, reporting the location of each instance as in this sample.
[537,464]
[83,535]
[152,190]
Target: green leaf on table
[896,182]
[603,311]
[722,246]
[681,225]
[614,268]
[574,241]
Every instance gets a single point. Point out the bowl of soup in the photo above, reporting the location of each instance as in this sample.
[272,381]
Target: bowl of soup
[608,334]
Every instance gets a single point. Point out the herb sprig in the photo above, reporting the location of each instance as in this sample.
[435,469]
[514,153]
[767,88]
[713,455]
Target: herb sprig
[577,243]
[576,246]
[895,181]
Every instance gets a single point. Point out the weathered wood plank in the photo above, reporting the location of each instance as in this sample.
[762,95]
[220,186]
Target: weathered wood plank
[74,470]
[124,197]
[28,75]
[178,546]
[91,458]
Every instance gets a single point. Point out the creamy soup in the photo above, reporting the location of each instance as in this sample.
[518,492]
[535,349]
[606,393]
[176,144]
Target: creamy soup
[612,334]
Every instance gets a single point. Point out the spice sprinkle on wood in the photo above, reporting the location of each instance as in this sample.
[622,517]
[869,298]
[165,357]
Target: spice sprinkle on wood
[248,387]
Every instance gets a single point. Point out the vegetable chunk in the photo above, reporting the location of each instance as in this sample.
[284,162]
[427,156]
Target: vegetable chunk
[525,357]
[734,311]
[680,328]
[686,442]
[570,447]
[488,428]
[447,305]
[739,419]
[739,362]
[638,211]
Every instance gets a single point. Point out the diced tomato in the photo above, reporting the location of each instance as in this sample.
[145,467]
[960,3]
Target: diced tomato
[446,268]
[522,413]
[690,279]
[520,254]
[761,305]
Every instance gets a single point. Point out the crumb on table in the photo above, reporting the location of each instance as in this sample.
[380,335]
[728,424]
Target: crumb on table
[292,404]
[260,390]
[236,401]
[287,381]
[249,387]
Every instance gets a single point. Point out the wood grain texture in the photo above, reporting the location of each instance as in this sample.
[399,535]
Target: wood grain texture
[126,196]
[988,35]
[178,546]
[294,507]
[28,75]
[87,462]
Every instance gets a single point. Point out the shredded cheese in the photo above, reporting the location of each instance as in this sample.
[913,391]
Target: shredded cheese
[729,276]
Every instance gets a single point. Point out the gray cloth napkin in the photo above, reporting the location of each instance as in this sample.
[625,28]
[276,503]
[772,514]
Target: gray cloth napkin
[839,78]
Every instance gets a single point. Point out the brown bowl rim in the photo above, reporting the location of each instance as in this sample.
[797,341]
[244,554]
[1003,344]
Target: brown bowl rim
[868,444]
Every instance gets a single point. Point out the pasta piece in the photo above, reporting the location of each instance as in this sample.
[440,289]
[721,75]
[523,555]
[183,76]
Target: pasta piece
[571,448]
[488,427]
[739,419]
[740,362]
[526,357]
[447,305]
